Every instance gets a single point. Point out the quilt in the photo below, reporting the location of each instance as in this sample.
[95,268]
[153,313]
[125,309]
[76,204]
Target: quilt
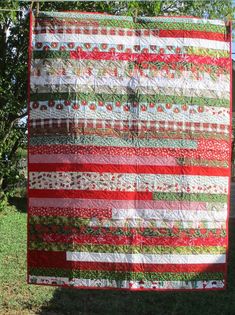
[129,152]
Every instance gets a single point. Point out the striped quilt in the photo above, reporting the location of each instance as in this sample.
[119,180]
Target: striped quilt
[129,152]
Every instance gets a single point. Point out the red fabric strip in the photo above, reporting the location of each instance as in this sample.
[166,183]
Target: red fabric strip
[135,240]
[148,57]
[214,154]
[49,259]
[71,212]
[92,194]
[115,168]
[194,34]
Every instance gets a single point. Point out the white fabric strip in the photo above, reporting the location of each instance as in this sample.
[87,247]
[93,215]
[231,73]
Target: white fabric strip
[191,92]
[157,224]
[132,40]
[77,203]
[168,215]
[133,83]
[129,182]
[145,258]
[218,115]
[125,284]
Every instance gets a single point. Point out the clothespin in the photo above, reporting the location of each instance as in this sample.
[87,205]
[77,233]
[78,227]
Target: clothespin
[31,5]
[37,9]
[228,24]
[37,6]
[135,15]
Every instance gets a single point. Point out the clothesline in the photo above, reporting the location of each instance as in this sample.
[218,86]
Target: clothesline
[101,0]
[11,10]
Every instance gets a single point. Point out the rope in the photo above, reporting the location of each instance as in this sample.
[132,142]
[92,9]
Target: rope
[11,10]
[104,0]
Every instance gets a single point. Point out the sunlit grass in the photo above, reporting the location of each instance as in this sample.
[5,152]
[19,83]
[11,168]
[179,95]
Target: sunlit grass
[16,297]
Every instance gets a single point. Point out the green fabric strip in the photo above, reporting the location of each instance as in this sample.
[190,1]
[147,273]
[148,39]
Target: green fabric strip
[131,276]
[37,230]
[122,98]
[128,249]
[116,142]
[190,197]
[55,54]
[207,163]
[138,135]
[81,222]
[127,22]
[189,50]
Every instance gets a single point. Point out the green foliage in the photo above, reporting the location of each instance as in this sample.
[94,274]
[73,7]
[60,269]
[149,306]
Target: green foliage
[21,153]
[214,8]
[13,92]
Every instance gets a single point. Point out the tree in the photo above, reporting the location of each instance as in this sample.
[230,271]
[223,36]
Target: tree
[13,87]
[14,34]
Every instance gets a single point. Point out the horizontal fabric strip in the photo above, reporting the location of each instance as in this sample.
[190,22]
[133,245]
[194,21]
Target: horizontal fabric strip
[62,50]
[159,98]
[114,195]
[52,259]
[124,204]
[146,258]
[123,128]
[148,58]
[76,130]
[115,275]
[126,285]
[53,232]
[192,240]
[168,215]
[137,144]
[131,168]
[215,154]
[127,248]
[108,64]
[126,276]
[140,223]
[70,212]
[99,159]
[110,141]
[166,38]
[142,27]
[129,182]
[217,115]
[87,17]
[119,129]
[112,159]
[131,60]
[127,82]
[130,125]
[149,91]
[190,96]
[154,222]
[212,213]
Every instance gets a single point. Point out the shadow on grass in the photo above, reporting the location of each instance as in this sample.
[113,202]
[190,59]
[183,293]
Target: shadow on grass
[19,202]
[96,302]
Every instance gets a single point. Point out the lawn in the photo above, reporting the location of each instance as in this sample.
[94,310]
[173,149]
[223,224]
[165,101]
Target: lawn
[18,298]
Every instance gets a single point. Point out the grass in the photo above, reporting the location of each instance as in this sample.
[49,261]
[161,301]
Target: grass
[18,298]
